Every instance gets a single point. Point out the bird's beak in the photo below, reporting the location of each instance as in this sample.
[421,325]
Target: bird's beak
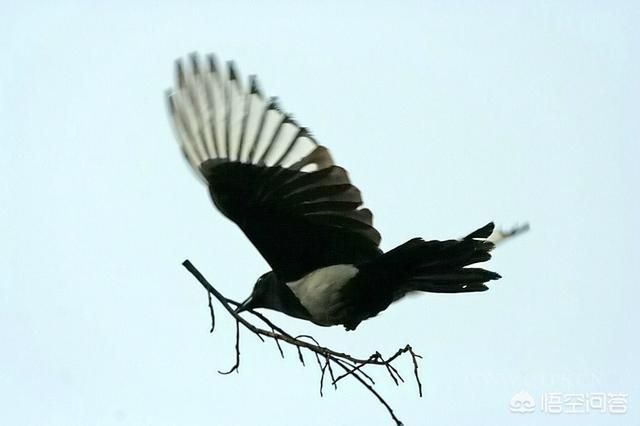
[245,305]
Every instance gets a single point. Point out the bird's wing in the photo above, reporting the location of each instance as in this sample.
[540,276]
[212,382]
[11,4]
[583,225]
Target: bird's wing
[268,174]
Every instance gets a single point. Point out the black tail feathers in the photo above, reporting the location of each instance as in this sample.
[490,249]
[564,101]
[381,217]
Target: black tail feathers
[442,266]
[419,265]
[483,232]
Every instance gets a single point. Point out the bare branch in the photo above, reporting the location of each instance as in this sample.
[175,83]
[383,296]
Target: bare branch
[352,366]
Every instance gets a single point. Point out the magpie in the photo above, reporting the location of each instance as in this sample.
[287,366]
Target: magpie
[300,210]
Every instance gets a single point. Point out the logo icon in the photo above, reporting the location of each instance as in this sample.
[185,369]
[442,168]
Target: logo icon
[522,402]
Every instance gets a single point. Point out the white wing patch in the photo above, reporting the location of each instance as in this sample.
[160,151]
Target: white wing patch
[319,291]
[214,117]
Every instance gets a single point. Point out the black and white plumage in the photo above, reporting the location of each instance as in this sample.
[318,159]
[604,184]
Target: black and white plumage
[300,210]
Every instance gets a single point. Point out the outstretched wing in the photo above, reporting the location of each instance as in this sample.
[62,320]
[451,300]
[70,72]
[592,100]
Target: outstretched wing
[268,174]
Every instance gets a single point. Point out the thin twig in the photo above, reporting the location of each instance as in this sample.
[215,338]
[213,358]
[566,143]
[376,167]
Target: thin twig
[213,315]
[353,370]
[333,377]
[279,347]
[300,357]
[236,366]
[414,357]
[374,392]
[323,369]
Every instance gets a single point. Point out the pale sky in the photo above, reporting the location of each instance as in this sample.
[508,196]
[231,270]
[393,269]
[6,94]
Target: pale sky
[446,114]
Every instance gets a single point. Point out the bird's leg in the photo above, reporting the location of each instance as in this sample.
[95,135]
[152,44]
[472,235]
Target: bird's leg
[499,236]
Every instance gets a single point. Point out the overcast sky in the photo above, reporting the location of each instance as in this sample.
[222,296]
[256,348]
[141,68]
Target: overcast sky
[446,114]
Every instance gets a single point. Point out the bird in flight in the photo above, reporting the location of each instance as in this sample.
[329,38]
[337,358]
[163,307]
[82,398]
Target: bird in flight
[270,176]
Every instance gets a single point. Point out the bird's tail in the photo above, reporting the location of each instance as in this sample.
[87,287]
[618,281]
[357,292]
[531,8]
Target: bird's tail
[419,265]
[442,266]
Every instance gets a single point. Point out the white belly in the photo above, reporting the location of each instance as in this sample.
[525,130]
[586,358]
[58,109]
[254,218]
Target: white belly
[319,291]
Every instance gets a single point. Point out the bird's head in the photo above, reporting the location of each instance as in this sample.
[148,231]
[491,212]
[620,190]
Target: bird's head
[265,294]
[269,292]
